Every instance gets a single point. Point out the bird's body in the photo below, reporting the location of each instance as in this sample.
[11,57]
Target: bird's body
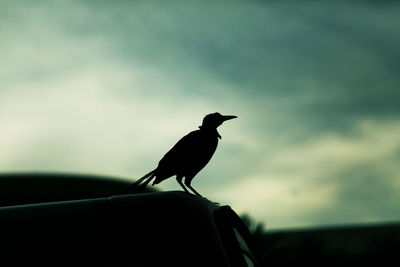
[181,161]
[189,156]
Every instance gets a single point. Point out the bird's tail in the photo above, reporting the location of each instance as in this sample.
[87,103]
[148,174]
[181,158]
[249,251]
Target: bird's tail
[147,178]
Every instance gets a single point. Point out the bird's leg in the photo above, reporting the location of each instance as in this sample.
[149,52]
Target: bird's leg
[147,181]
[179,179]
[187,183]
[191,188]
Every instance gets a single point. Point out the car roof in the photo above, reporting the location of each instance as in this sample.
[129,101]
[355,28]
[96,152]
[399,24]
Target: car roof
[153,229]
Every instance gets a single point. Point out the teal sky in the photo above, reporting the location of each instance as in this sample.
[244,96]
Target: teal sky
[108,87]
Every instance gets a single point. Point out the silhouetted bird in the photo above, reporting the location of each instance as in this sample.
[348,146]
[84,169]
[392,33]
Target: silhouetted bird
[189,155]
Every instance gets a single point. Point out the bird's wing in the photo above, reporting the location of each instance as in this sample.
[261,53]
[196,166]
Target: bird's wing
[182,150]
[187,157]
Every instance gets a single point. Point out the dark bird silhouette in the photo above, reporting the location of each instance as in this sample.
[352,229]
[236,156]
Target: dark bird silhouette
[188,156]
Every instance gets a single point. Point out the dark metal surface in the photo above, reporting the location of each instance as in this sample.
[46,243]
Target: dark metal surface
[155,229]
[49,219]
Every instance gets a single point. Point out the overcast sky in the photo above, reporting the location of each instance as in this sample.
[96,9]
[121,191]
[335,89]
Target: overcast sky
[108,87]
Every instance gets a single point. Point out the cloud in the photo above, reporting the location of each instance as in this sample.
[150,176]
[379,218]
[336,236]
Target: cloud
[331,179]
[278,203]
[68,103]
[109,88]
[77,117]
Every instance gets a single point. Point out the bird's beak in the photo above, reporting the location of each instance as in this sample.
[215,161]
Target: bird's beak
[228,117]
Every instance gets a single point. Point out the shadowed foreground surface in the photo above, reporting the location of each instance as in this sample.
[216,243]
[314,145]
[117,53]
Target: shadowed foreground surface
[155,229]
[45,225]
[80,220]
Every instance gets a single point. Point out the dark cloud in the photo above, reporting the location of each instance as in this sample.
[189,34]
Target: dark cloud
[338,66]
[329,68]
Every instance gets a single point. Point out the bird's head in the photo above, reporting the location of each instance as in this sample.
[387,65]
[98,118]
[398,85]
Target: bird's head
[214,120]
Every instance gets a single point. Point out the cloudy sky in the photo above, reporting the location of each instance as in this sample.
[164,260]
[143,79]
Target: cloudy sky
[107,87]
